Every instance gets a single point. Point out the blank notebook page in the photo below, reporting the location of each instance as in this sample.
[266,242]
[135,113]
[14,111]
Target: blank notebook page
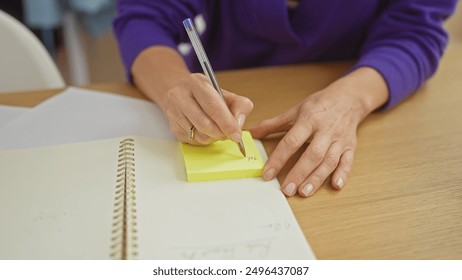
[57,202]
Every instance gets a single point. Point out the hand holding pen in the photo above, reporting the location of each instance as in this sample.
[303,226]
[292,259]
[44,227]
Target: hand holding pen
[215,110]
[189,99]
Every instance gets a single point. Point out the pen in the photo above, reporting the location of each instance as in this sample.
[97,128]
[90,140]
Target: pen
[204,61]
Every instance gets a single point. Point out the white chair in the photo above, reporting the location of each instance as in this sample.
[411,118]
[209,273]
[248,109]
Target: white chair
[24,62]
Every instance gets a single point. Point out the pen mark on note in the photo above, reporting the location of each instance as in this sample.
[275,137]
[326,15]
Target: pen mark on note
[251,158]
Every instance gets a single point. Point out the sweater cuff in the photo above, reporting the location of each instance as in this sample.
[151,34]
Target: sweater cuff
[398,70]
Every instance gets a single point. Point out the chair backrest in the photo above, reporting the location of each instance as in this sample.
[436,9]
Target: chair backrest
[24,62]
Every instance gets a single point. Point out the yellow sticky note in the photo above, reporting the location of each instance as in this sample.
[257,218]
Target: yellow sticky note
[222,160]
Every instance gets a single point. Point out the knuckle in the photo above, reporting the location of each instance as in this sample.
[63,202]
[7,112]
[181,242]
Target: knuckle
[266,123]
[173,114]
[228,128]
[317,153]
[171,91]
[350,144]
[247,103]
[214,108]
[205,125]
[298,176]
[170,113]
[308,125]
[275,162]
[347,163]
[316,179]
[292,142]
[305,107]
[197,76]
[332,160]
[353,144]
[173,94]
[317,118]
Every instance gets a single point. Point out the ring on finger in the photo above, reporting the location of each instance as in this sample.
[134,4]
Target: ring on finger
[191,133]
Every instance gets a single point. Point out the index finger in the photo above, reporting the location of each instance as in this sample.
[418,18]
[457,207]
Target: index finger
[215,107]
[288,145]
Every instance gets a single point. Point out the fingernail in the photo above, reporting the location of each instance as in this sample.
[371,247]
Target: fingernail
[269,174]
[241,120]
[340,183]
[236,137]
[290,189]
[306,191]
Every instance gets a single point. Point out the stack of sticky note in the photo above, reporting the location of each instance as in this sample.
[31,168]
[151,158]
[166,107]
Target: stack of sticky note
[222,160]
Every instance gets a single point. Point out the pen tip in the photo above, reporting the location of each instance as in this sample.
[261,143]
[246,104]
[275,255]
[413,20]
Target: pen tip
[242,149]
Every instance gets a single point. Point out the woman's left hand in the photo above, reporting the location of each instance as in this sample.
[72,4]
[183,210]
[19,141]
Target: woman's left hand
[327,120]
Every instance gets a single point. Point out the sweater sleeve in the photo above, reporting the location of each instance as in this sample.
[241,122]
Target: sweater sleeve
[405,44]
[140,24]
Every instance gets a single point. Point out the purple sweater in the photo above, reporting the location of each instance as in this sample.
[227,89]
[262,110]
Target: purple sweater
[402,39]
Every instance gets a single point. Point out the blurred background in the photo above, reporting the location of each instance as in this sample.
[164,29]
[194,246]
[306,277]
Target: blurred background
[78,35]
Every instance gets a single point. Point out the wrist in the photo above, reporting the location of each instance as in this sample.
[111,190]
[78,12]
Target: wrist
[367,88]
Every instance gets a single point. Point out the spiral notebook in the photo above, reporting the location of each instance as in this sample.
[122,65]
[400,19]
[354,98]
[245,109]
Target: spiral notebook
[128,198]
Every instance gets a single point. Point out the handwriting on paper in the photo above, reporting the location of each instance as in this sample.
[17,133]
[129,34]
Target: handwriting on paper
[255,249]
[276,227]
[258,248]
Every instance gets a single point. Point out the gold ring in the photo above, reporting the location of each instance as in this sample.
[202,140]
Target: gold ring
[191,133]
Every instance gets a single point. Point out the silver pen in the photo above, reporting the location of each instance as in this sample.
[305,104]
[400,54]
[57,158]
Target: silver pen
[204,61]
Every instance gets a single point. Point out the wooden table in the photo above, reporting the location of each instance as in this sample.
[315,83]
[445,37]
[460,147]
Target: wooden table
[404,196]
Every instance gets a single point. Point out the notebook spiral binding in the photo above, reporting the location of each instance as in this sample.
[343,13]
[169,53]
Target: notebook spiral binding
[124,226]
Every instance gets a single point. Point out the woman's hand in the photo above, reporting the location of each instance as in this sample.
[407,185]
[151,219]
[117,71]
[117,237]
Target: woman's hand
[195,103]
[189,100]
[327,120]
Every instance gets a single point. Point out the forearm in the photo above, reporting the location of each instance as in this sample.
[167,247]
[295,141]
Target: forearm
[158,69]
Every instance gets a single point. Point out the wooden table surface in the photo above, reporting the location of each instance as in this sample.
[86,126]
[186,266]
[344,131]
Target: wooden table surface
[403,199]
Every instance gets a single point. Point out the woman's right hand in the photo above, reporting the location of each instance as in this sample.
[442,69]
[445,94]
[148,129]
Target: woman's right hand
[189,100]
[195,103]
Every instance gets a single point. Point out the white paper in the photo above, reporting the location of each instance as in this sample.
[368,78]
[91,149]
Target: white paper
[225,219]
[9,113]
[78,115]
[59,203]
